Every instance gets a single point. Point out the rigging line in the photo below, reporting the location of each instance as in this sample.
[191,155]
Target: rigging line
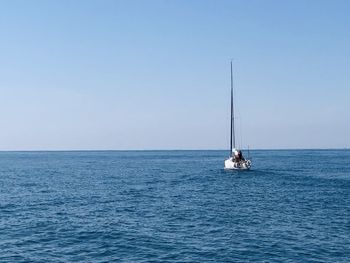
[240,132]
[231,114]
[233,139]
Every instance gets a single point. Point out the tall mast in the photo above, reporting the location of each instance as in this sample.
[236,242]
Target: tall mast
[232,139]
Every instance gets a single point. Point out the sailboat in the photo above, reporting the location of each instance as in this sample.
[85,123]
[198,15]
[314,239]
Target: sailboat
[236,161]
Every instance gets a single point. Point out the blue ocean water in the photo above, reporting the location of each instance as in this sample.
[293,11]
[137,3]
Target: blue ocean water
[174,206]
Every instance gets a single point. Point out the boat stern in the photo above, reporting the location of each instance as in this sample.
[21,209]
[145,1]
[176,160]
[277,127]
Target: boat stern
[230,164]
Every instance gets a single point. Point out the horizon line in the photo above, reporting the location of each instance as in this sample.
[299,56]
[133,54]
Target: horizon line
[153,150]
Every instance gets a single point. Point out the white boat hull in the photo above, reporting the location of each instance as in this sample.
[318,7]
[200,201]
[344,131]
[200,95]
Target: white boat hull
[230,164]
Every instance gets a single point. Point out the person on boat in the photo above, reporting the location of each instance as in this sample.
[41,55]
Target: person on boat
[238,156]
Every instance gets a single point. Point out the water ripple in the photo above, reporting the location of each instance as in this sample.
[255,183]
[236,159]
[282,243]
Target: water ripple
[174,206]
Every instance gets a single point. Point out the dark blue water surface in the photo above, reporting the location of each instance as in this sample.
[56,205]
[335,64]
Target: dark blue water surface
[174,206]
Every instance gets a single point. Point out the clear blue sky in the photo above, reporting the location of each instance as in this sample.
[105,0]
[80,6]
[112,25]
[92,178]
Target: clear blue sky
[155,74]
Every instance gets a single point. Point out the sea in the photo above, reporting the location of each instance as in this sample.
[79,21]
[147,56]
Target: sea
[174,206]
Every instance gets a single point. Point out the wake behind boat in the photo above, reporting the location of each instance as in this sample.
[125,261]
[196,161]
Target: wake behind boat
[236,161]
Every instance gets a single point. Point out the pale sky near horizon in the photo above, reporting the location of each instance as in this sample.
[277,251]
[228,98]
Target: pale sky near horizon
[155,74]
